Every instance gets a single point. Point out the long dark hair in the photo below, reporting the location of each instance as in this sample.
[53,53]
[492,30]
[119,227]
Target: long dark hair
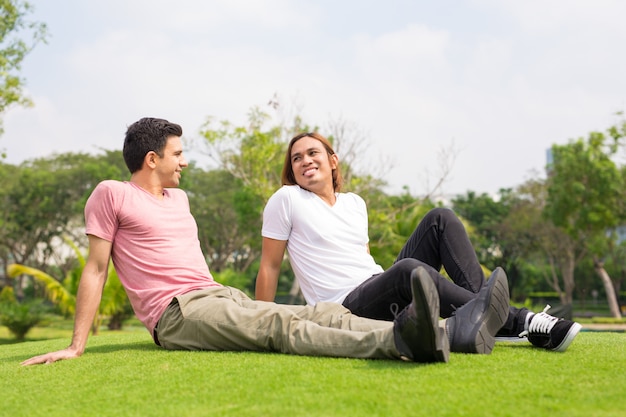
[288,177]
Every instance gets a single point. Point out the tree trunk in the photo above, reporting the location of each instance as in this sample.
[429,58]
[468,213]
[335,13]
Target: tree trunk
[568,279]
[553,279]
[116,321]
[95,326]
[608,287]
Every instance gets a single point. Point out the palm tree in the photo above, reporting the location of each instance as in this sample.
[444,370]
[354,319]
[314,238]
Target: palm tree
[114,303]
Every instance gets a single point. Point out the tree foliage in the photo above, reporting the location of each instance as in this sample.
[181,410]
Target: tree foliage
[43,199]
[18,317]
[62,292]
[542,247]
[586,199]
[500,232]
[227,215]
[18,36]
[253,154]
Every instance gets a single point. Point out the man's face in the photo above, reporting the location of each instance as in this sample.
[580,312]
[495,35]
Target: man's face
[312,165]
[172,163]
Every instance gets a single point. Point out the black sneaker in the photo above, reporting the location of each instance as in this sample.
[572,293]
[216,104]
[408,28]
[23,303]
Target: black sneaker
[473,326]
[417,334]
[549,332]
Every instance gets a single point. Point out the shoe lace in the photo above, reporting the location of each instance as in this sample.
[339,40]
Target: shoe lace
[453,308]
[394,308]
[541,323]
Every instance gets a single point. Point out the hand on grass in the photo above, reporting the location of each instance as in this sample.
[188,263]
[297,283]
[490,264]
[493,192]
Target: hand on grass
[51,357]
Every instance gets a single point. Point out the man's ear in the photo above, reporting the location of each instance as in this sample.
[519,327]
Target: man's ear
[150,159]
[334,161]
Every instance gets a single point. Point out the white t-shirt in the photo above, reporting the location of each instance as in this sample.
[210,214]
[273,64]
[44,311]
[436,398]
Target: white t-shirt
[327,245]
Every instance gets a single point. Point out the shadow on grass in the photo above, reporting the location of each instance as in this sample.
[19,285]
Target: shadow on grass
[12,341]
[141,346]
[149,346]
[396,365]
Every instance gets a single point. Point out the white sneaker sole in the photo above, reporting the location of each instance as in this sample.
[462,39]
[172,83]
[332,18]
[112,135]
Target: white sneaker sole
[569,338]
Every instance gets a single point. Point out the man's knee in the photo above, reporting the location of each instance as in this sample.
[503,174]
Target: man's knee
[442,213]
[406,265]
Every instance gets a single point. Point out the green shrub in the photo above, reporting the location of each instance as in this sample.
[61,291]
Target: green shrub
[233,278]
[19,318]
[7,296]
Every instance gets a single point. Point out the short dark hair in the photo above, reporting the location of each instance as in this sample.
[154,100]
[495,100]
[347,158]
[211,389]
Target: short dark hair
[145,135]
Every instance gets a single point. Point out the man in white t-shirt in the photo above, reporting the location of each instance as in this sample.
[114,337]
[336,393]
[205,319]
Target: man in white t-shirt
[144,225]
[326,235]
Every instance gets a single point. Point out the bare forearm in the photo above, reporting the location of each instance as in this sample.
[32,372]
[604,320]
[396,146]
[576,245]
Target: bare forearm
[87,303]
[269,270]
[266,284]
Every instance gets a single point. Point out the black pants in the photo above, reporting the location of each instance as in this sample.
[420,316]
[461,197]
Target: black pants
[440,240]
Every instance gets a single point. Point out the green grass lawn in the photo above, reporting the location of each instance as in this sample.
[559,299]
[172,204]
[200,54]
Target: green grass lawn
[125,374]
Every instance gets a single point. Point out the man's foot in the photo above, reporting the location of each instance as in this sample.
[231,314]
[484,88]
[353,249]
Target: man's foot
[548,332]
[416,330]
[473,326]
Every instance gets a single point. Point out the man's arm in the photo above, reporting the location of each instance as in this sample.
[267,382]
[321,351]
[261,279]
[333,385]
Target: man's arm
[87,301]
[272,254]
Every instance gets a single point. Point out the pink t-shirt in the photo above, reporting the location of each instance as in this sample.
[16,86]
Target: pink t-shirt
[156,251]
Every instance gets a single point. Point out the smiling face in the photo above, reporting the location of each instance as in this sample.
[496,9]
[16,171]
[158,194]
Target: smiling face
[170,165]
[312,165]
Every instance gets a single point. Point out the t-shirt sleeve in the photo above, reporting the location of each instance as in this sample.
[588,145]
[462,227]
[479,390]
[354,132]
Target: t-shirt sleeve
[277,216]
[100,213]
[181,196]
[361,208]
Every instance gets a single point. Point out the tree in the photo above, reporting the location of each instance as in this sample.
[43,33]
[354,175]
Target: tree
[228,217]
[19,318]
[586,199]
[538,246]
[62,292]
[486,213]
[14,27]
[42,200]
[500,234]
[38,206]
[253,153]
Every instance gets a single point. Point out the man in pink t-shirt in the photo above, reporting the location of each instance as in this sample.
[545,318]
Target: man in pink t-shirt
[146,228]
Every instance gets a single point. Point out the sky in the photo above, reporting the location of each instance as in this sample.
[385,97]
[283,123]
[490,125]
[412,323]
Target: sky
[490,83]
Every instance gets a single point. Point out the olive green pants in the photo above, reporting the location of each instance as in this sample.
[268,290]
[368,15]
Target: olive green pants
[224,318]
